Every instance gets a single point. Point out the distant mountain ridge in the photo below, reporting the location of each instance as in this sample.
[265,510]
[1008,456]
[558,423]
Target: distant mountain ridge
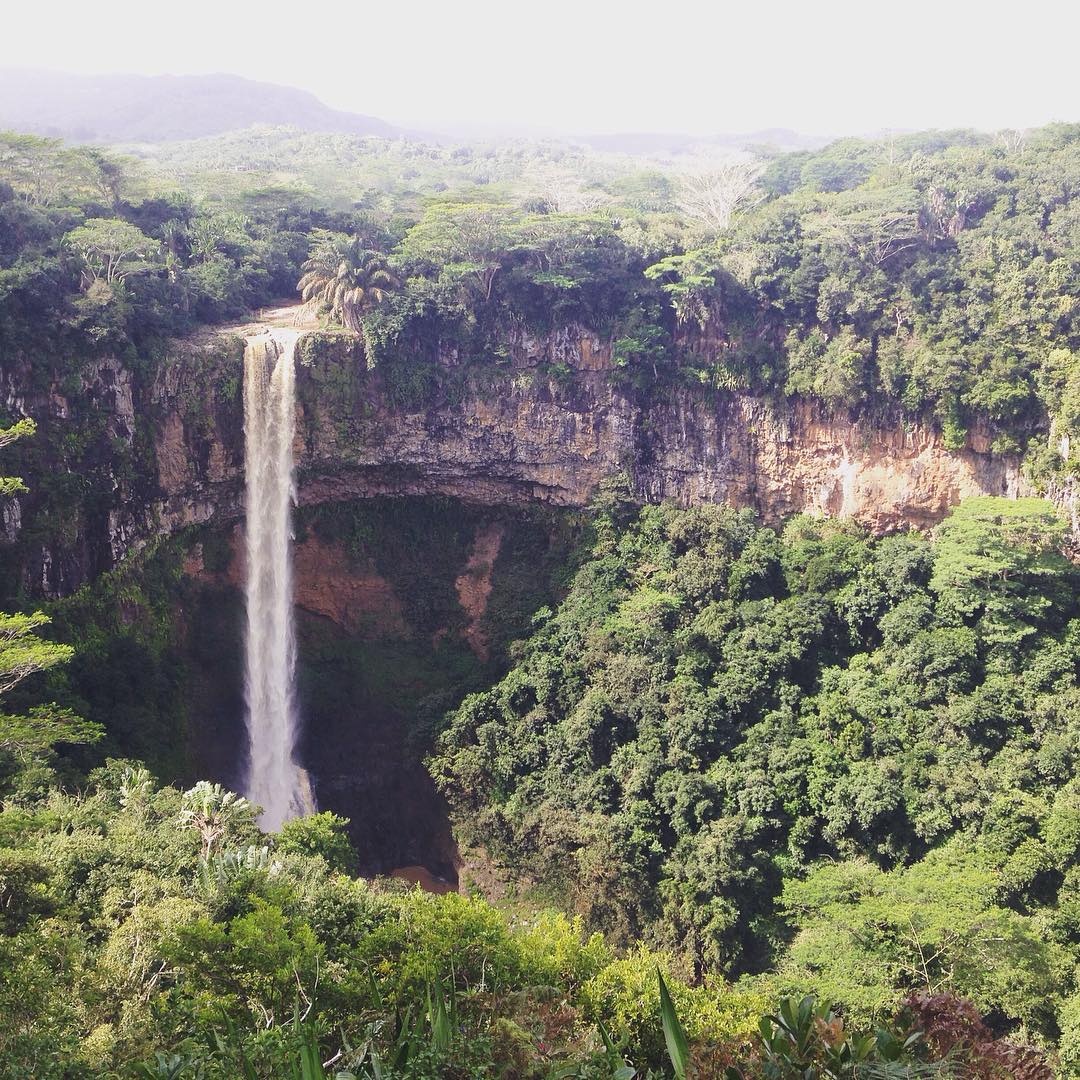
[163,108]
[174,108]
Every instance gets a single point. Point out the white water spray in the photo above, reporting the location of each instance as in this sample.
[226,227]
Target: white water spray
[274,780]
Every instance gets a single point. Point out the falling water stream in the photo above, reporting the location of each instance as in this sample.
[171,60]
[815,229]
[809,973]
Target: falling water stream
[274,780]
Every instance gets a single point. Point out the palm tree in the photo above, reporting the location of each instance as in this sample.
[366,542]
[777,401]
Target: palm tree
[344,276]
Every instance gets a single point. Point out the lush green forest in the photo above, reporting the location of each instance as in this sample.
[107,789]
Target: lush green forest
[744,801]
[933,272]
[779,768]
[847,763]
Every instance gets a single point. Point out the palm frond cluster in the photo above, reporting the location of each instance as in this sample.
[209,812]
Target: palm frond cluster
[345,278]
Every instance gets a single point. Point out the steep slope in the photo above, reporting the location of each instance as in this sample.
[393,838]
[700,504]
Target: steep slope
[516,433]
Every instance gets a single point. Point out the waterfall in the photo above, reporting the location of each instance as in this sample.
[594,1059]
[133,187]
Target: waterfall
[274,780]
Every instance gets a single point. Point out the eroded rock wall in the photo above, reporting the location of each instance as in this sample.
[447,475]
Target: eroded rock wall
[547,425]
[522,434]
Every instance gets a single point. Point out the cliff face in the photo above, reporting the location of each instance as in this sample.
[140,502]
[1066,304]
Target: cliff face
[547,425]
[521,434]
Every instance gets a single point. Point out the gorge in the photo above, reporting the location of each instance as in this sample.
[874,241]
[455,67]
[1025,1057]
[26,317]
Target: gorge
[504,441]
[671,597]
[510,434]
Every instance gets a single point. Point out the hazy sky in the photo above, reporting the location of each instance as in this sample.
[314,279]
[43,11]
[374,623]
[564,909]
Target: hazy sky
[831,66]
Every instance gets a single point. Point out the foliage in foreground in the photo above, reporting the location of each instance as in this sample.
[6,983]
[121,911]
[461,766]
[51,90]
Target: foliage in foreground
[150,932]
[142,926]
[154,932]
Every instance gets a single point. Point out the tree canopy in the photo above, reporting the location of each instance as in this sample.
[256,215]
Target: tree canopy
[805,756]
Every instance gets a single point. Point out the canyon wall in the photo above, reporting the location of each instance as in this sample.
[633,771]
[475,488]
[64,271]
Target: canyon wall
[522,433]
[546,424]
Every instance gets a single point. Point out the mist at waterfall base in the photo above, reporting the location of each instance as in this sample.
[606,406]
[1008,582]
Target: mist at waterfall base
[274,781]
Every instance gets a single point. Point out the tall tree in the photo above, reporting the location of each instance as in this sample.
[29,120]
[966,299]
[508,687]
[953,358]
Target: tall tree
[470,243]
[111,249]
[345,277]
[999,561]
[712,196]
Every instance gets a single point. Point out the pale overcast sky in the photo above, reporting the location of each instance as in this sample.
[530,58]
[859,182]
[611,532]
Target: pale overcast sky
[585,66]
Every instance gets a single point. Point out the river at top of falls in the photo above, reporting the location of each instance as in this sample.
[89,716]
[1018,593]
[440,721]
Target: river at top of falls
[274,779]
